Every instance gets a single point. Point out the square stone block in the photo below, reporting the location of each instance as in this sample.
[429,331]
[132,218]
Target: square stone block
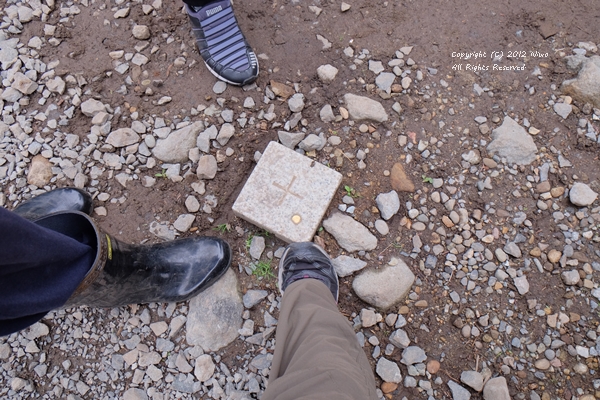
[287,194]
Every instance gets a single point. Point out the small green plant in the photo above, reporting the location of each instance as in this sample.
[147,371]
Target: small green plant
[427,179]
[222,228]
[350,191]
[263,270]
[249,240]
[162,174]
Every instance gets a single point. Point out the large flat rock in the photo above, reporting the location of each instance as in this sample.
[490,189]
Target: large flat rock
[215,315]
[287,194]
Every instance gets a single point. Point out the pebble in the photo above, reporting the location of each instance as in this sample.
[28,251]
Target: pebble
[413,355]
[253,297]
[388,370]
[346,265]
[582,195]
[141,32]
[327,73]
[388,204]
[472,379]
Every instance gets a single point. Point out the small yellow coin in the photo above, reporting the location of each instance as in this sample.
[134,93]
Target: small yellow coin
[296,219]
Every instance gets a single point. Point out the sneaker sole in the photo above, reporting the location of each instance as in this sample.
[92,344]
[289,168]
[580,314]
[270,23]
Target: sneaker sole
[230,82]
[280,272]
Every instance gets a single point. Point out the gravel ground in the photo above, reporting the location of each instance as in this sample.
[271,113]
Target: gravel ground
[465,234]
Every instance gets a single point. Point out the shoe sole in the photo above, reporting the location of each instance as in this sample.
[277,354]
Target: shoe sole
[247,82]
[280,272]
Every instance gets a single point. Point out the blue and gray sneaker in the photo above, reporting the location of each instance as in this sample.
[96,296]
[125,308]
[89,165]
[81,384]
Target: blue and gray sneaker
[222,44]
[307,260]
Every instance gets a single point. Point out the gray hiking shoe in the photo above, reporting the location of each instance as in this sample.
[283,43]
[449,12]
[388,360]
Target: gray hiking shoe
[307,260]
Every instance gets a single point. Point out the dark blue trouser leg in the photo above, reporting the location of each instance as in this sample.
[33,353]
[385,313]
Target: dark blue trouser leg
[39,270]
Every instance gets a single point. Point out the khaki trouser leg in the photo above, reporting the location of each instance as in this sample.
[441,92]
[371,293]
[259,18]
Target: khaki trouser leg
[317,354]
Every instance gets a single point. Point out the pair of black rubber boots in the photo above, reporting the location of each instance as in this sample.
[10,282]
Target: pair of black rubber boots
[123,273]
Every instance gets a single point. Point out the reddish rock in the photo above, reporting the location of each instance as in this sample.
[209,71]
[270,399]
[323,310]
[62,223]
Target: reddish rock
[388,387]
[433,366]
[282,90]
[399,180]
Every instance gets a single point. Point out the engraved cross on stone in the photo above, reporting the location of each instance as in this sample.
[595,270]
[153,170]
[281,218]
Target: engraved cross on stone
[286,191]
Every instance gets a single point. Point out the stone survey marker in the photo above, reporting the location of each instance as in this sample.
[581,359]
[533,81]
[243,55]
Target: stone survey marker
[287,194]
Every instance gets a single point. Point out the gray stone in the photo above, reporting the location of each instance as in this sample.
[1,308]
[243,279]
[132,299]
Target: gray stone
[327,73]
[192,204]
[472,379]
[257,246]
[413,355]
[511,248]
[122,137]
[204,138]
[225,133]
[253,297]
[388,204]
[570,277]
[346,265]
[368,317]
[262,361]
[522,284]
[36,331]
[40,171]
[219,87]
[11,95]
[23,84]
[384,287]
[5,351]
[388,370]
[582,195]
[215,315]
[385,80]
[511,141]
[376,66]
[312,142]
[207,167]
[563,109]
[586,87]
[350,234]
[399,338]
[184,222]
[287,194]
[56,85]
[575,62]
[135,394]
[326,114]
[496,389]
[141,32]
[458,392]
[8,54]
[296,103]
[290,139]
[175,147]
[364,108]
[204,368]
[91,107]
[382,227]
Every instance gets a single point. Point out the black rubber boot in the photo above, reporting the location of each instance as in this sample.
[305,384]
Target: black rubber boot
[63,199]
[134,274]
